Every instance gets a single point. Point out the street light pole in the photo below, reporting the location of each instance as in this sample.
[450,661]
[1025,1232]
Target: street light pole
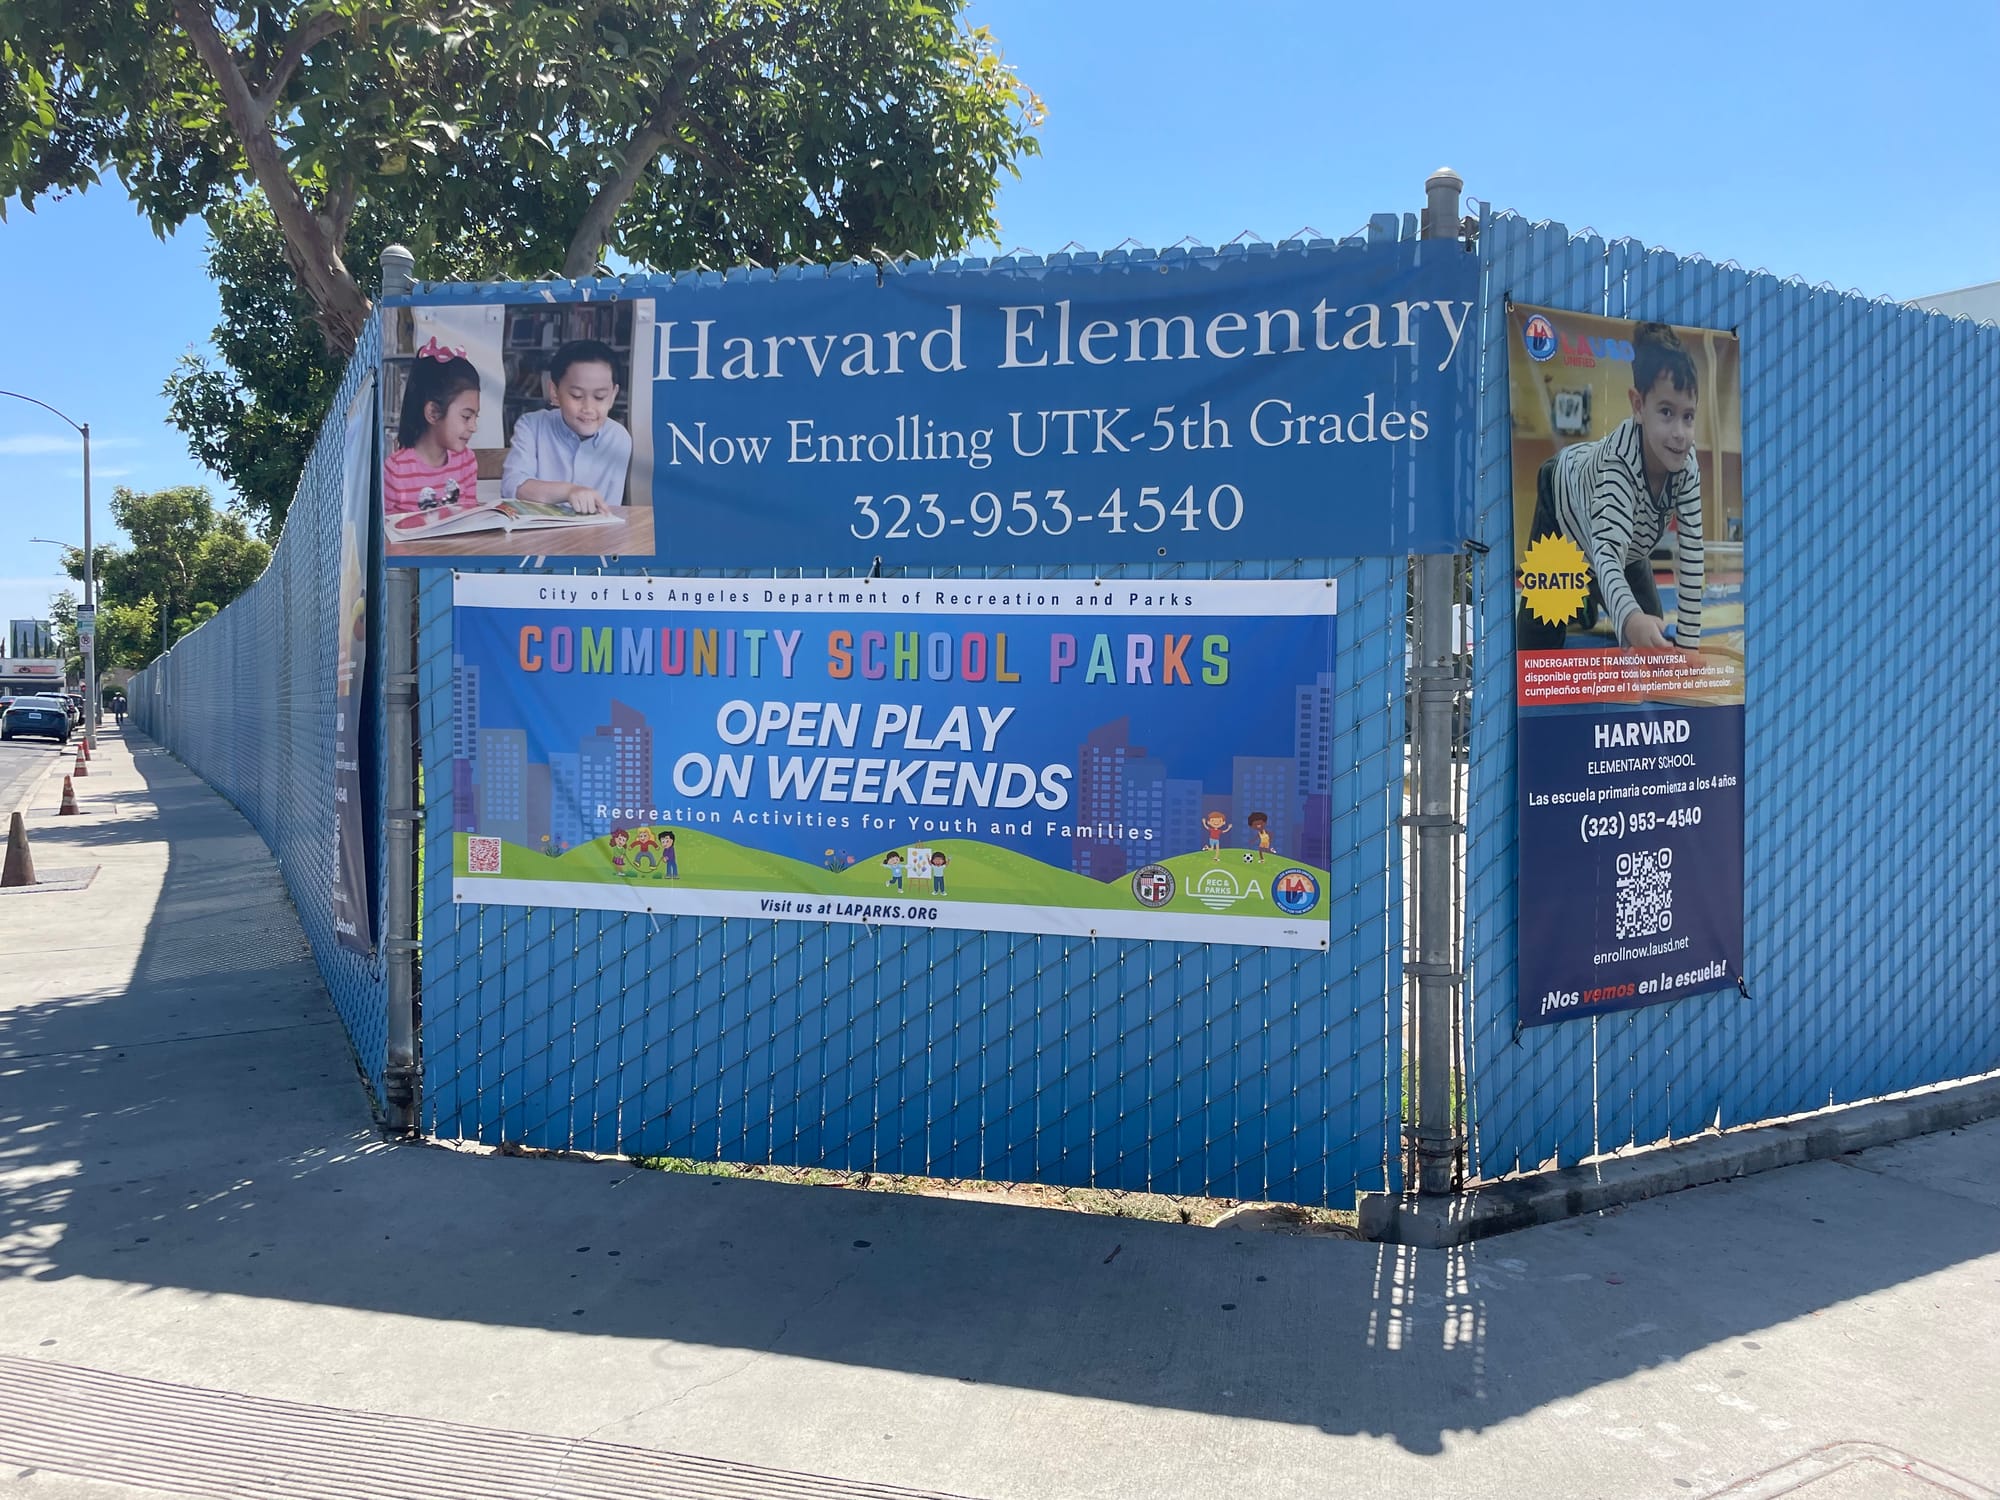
[89,595]
[89,563]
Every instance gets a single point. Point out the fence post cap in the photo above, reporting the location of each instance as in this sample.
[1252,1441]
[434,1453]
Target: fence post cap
[399,270]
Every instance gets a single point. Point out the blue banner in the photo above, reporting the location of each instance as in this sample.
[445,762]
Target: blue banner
[1119,760]
[1632,834]
[1212,407]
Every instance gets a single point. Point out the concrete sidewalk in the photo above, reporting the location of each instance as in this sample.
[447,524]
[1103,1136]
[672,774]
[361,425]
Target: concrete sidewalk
[216,1278]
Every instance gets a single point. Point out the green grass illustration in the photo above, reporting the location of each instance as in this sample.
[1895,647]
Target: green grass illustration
[977,872]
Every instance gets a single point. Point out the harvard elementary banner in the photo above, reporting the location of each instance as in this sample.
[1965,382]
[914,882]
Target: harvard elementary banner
[1131,759]
[1279,403]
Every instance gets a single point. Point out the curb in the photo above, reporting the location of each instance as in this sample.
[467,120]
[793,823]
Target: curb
[1546,1197]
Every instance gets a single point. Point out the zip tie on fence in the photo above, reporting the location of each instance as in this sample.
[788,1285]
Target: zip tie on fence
[1473,544]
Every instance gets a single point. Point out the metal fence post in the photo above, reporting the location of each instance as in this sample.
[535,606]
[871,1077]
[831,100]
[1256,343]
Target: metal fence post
[1434,695]
[399,675]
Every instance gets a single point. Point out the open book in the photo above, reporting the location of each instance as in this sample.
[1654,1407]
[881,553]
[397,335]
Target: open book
[500,515]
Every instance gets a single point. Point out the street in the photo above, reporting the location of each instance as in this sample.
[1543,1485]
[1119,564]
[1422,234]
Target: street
[21,761]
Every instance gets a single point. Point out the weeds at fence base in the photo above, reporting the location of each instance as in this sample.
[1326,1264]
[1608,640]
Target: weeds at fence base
[1162,1208]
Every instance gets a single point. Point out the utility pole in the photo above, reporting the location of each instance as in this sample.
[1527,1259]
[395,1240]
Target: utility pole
[89,596]
[89,565]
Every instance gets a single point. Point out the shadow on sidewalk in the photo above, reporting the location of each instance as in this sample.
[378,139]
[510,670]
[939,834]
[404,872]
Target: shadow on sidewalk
[200,1126]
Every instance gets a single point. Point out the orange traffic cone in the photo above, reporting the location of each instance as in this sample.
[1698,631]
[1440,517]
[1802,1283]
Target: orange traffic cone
[69,800]
[20,866]
[81,769]
[83,749]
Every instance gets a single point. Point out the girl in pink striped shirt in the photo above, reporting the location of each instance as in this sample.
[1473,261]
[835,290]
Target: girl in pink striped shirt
[433,466]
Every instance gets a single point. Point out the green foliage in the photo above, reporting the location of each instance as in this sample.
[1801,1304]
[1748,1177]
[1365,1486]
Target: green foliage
[670,133]
[493,137]
[128,635]
[251,409]
[185,555]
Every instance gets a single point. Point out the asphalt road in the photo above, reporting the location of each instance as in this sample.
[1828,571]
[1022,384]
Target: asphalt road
[21,761]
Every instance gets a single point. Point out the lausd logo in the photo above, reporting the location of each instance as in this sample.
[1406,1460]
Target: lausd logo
[1296,891]
[1539,338]
[1584,352]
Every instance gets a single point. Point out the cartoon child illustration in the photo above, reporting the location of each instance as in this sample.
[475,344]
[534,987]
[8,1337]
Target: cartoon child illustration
[572,452]
[893,863]
[672,871]
[1214,825]
[620,842]
[433,465]
[1260,826]
[645,849]
[938,862]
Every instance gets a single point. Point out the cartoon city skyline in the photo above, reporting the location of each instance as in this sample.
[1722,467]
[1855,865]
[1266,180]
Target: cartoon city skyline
[497,790]
[1121,785]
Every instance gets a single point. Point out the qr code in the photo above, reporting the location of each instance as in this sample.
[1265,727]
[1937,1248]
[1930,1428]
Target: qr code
[482,856]
[1645,893]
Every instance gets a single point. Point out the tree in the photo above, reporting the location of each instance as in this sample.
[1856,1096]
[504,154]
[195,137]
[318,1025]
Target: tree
[251,410]
[184,554]
[195,618]
[128,635]
[670,133]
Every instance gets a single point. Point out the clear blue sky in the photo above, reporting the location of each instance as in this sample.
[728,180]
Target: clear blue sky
[1838,142]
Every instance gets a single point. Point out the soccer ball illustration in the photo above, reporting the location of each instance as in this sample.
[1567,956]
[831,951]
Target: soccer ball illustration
[1246,856]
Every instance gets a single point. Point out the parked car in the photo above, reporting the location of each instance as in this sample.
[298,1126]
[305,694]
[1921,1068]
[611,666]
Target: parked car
[39,714]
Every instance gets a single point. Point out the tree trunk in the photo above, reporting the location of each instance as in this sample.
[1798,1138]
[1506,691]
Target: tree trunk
[339,305]
[595,231]
[591,235]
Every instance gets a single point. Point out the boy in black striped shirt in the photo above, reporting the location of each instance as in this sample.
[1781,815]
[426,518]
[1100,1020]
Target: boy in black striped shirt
[1612,498]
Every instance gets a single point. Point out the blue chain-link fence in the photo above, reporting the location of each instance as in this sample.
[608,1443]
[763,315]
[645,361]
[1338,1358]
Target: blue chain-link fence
[1871,445]
[247,703]
[1162,1067]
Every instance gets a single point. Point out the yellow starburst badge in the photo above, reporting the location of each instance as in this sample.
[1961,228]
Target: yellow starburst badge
[1554,579]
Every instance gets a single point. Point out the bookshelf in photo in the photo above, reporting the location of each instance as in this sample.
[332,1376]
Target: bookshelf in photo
[534,332]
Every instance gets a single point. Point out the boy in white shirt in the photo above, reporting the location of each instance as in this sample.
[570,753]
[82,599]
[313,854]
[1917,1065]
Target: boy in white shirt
[573,452]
